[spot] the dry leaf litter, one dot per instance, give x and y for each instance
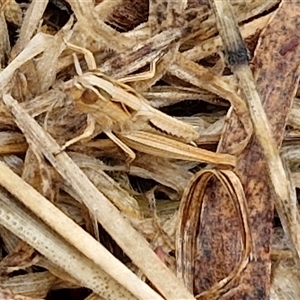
(134, 164)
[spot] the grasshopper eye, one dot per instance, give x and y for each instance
(89, 97)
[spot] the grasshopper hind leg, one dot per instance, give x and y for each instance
(88, 132)
(125, 148)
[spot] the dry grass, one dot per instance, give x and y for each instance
(111, 113)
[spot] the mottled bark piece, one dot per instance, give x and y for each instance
(276, 73)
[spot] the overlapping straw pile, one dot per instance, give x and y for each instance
(107, 110)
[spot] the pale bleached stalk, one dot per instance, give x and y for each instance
(133, 244)
(30, 24)
(237, 53)
(91, 25)
(73, 233)
(31, 229)
(35, 47)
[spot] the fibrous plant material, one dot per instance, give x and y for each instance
(259, 166)
(108, 109)
(192, 218)
(133, 244)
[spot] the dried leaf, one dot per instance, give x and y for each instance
(193, 220)
(252, 165)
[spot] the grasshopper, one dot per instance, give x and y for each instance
(128, 119)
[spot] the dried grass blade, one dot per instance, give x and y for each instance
(147, 51)
(251, 166)
(12, 143)
(30, 25)
(93, 26)
(47, 62)
(238, 62)
(175, 9)
(22, 223)
(155, 144)
(213, 44)
(33, 284)
(111, 189)
(133, 244)
(72, 232)
(4, 43)
(37, 45)
(192, 218)
(6, 294)
(161, 170)
(203, 78)
(127, 62)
